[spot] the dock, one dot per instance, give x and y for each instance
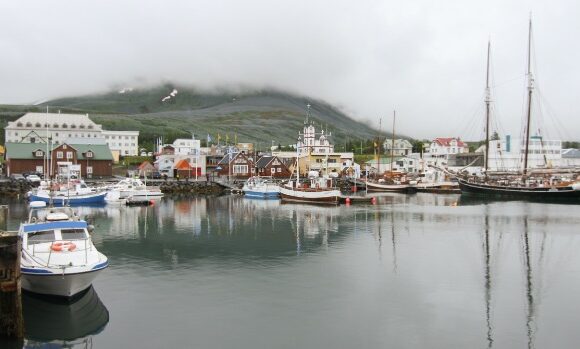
(11, 321)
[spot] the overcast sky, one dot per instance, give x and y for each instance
(425, 58)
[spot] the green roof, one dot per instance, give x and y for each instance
(26, 150)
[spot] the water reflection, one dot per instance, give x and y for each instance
(423, 271)
(50, 323)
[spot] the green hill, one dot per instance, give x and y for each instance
(264, 116)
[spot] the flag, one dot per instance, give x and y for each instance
(227, 137)
(208, 138)
(219, 137)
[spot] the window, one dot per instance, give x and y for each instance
(273, 170)
(89, 169)
(59, 154)
(37, 124)
(73, 126)
(90, 127)
(81, 126)
(279, 169)
(40, 237)
(56, 134)
(19, 124)
(240, 169)
(32, 140)
(73, 234)
(69, 155)
(64, 126)
(29, 124)
(39, 169)
(39, 153)
(55, 125)
(89, 154)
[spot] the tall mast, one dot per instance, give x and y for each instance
(393, 144)
(530, 88)
(487, 102)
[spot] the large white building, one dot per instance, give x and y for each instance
(309, 141)
(61, 128)
(33, 128)
(507, 154)
(124, 142)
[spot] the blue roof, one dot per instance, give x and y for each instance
(27, 228)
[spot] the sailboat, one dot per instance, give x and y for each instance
(524, 186)
(394, 181)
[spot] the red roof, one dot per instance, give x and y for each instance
(446, 142)
(145, 164)
(182, 165)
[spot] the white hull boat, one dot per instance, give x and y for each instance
(58, 255)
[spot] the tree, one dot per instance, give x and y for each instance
(494, 136)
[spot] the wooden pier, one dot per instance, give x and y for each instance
(11, 322)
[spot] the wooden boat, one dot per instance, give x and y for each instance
(317, 190)
(520, 186)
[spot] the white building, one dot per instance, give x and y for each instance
(309, 141)
(443, 147)
(60, 128)
(186, 146)
(508, 154)
(126, 143)
(402, 147)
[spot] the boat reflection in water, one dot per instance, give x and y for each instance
(56, 323)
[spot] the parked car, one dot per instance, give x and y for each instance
(156, 175)
(17, 177)
(33, 178)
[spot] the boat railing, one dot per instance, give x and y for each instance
(80, 245)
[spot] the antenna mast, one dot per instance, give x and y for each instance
(487, 102)
(530, 89)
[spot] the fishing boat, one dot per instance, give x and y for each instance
(318, 190)
(133, 189)
(521, 185)
(71, 193)
(58, 254)
(262, 188)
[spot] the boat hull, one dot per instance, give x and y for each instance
(540, 194)
(262, 194)
(392, 188)
(310, 195)
(98, 198)
(61, 285)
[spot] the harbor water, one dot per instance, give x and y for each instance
(417, 271)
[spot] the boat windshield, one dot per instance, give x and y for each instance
(39, 237)
(73, 234)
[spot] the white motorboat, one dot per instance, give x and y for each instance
(58, 255)
(259, 187)
(133, 188)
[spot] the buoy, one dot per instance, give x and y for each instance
(347, 201)
(373, 201)
(152, 202)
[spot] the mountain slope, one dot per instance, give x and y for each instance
(263, 117)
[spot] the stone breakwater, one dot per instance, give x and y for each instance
(185, 187)
(14, 188)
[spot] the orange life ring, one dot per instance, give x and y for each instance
(63, 246)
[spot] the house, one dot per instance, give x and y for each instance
(184, 169)
(237, 165)
(443, 147)
(146, 169)
(400, 164)
(94, 159)
(269, 165)
(402, 147)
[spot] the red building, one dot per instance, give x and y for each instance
(272, 166)
(236, 165)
